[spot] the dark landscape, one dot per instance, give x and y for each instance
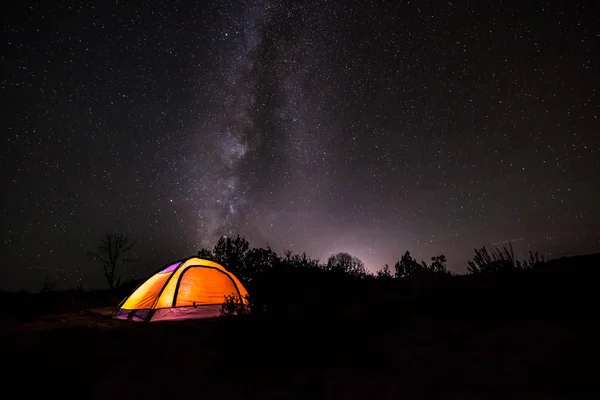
(508, 333)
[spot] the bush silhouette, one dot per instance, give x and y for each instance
(408, 268)
(233, 305)
(501, 260)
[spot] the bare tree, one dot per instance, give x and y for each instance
(112, 254)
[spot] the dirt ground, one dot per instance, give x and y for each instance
(88, 354)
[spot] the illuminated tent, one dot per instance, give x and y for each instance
(189, 288)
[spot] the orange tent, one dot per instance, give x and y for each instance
(189, 288)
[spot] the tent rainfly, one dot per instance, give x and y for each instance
(191, 288)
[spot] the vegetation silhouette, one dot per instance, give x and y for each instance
(112, 254)
(296, 284)
(502, 260)
(412, 326)
(47, 286)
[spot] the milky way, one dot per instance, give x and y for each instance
(319, 126)
(267, 128)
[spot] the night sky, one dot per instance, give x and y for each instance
(369, 127)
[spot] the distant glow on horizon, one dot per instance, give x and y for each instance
(368, 256)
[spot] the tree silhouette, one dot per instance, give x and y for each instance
(206, 254)
(438, 265)
(300, 261)
(385, 273)
(346, 263)
(257, 260)
(231, 252)
(112, 255)
(408, 268)
(239, 258)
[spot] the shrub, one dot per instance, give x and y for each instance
(502, 260)
(234, 305)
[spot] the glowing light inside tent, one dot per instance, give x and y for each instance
(195, 288)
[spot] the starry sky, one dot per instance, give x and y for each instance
(372, 127)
